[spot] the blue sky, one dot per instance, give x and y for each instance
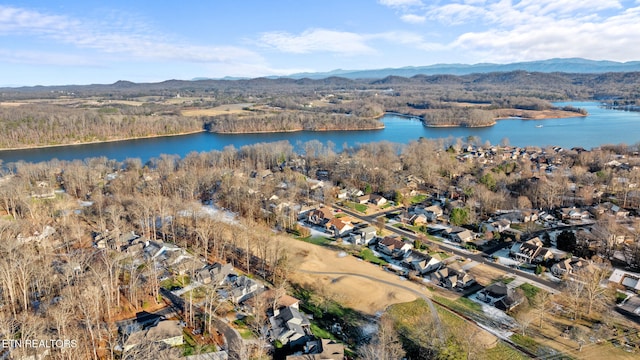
(83, 42)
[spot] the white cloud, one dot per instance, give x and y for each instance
(559, 7)
(454, 14)
(24, 21)
(132, 38)
(413, 19)
(318, 40)
(400, 3)
(611, 38)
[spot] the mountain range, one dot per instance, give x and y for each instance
(571, 65)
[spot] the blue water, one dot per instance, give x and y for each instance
(600, 127)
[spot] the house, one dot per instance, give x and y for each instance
(213, 273)
(529, 215)
(630, 280)
(363, 236)
(392, 246)
(114, 242)
(243, 288)
(289, 327)
(155, 250)
(465, 280)
(373, 199)
(433, 212)
(501, 296)
(339, 227)
(531, 251)
(320, 216)
(574, 214)
(342, 194)
(500, 225)
(377, 200)
(185, 264)
(422, 263)
(274, 299)
(363, 199)
(619, 212)
(418, 219)
(446, 277)
(568, 266)
(461, 235)
(168, 332)
(322, 349)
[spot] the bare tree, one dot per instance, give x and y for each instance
(386, 343)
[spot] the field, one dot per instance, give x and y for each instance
(219, 110)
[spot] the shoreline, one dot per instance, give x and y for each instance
(296, 130)
(381, 127)
(101, 141)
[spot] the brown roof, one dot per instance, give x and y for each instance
(392, 243)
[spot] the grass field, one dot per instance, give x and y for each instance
(355, 206)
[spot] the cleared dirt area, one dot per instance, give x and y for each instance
(218, 110)
(367, 296)
(536, 115)
(486, 275)
(356, 292)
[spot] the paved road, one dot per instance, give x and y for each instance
(530, 278)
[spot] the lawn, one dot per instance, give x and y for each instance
(356, 206)
(317, 240)
(503, 351)
(321, 333)
(191, 347)
(418, 199)
(462, 305)
(367, 255)
(176, 281)
(530, 291)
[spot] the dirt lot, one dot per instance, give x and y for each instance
(361, 294)
(358, 293)
(485, 275)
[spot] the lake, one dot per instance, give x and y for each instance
(602, 126)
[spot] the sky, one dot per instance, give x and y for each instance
(100, 42)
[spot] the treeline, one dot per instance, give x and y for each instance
(290, 121)
(40, 125)
(453, 116)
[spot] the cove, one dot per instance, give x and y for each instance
(601, 126)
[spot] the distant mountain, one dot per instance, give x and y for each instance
(572, 65)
